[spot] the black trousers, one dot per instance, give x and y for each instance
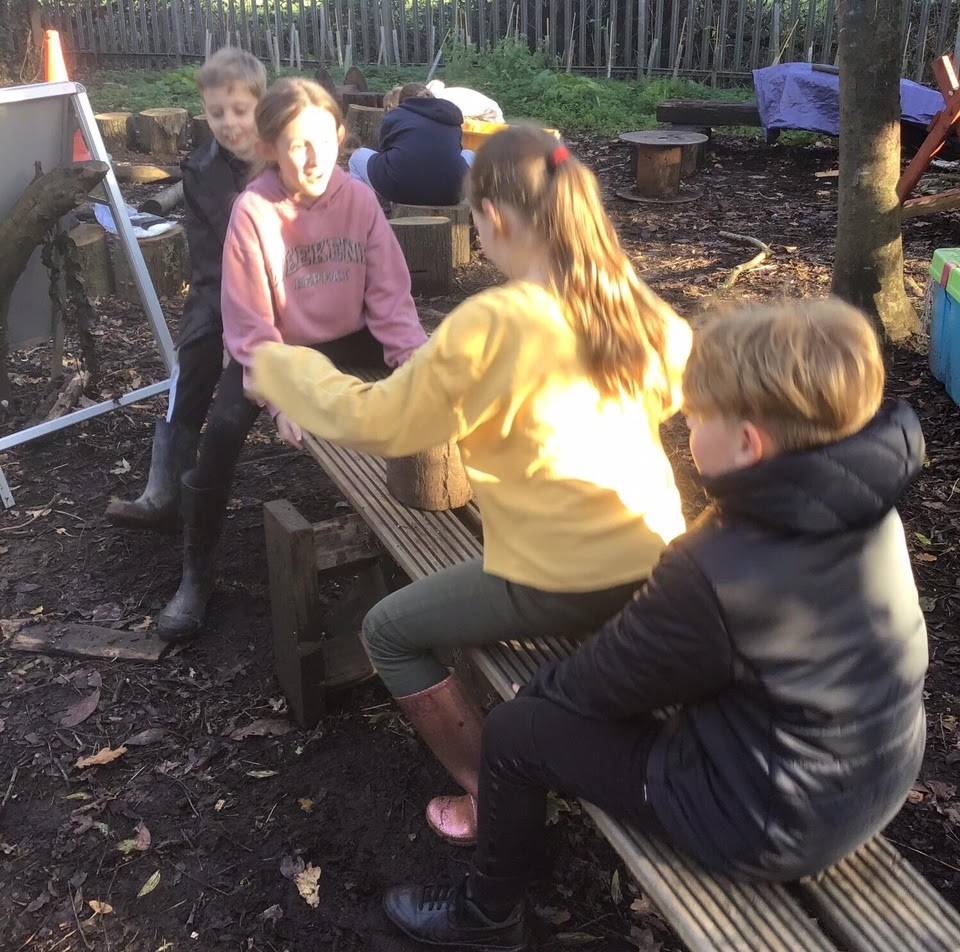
(531, 746)
(199, 365)
(232, 414)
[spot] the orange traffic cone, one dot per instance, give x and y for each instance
(55, 71)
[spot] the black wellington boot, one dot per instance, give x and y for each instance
(158, 508)
(443, 914)
(203, 514)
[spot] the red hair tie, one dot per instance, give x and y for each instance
(558, 157)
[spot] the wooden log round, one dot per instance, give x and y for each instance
(94, 256)
(427, 245)
(200, 130)
(165, 200)
(355, 97)
(116, 130)
(460, 222)
(364, 123)
(168, 263)
(162, 131)
(354, 77)
(433, 480)
(146, 174)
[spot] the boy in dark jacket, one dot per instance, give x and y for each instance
(231, 83)
(420, 160)
(785, 624)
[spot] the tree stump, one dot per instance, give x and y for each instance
(116, 129)
(433, 480)
(94, 256)
(427, 245)
(200, 130)
(348, 97)
(354, 77)
(460, 221)
(364, 123)
(162, 131)
(168, 264)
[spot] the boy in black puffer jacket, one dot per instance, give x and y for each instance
(785, 623)
(420, 160)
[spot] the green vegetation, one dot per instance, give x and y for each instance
(526, 84)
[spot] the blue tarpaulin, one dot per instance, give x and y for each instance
(796, 96)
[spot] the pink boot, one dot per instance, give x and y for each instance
(450, 722)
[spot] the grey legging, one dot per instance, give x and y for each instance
(463, 607)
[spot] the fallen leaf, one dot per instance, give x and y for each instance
(616, 893)
(261, 774)
(575, 938)
(916, 794)
(219, 805)
(264, 727)
(149, 886)
(643, 939)
(122, 467)
(79, 712)
(941, 790)
(273, 914)
(61, 531)
(94, 680)
(927, 603)
(80, 795)
(922, 539)
(101, 908)
(552, 915)
(104, 756)
(147, 621)
(308, 885)
(141, 842)
(642, 906)
(291, 867)
(36, 611)
(150, 736)
(4, 549)
(925, 557)
(39, 902)
(306, 804)
(3, 724)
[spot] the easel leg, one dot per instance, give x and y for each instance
(5, 495)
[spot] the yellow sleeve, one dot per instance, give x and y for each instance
(679, 342)
(450, 386)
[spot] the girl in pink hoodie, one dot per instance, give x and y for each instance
(309, 259)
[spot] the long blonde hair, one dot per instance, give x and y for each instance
(620, 323)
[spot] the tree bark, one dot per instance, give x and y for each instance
(434, 480)
(116, 130)
(868, 270)
(427, 246)
(162, 131)
(46, 200)
(168, 263)
(364, 123)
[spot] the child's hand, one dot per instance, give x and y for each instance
(515, 688)
(289, 431)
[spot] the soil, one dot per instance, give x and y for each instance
(219, 819)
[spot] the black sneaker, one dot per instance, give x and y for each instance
(441, 914)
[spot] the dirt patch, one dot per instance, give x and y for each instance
(226, 817)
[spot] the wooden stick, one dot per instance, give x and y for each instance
(748, 265)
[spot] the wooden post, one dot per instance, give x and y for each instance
(199, 130)
(94, 256)
(433, 480)
(364, 123)
(296, 611)
(162, 131)
(427, 245)
(116, 130)
(460, 222)
(168, 262)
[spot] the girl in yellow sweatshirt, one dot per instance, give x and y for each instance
(554, 386)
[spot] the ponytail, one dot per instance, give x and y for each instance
(620, 323)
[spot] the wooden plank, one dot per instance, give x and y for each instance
(537, 25)
(875, 901)
(582, 51)
(697, 112)
(922, 41)
(808, 35)
(628, 44)
(721, 43)
(931, 204)
(793, 27)
(177, 29)
(674, 34)
(342, 542)
(122, 26)
(112, 30)
(155, 28)
(758, 13)
(656, 46)
(89, 641)
(828, 26)
(945, 8)
(738, 42)
(704, 63)
(296, 610)
(415, 10)
(692, 34)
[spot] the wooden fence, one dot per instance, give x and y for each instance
(715, 39)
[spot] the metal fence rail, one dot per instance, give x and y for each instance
(716, 39)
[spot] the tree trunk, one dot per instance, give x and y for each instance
(460, 221)
(433, 480)
(93, 255)
(116, 130)
(427, 246)
(868, 270)
(364, 123)
(168, 263)
(46, 200)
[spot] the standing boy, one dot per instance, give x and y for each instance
(785, 621)
(231, 83)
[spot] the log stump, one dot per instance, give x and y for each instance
(200, 130)
(658, 156)
(427, 245)
(116, 130)
(168, 264)
(354, 97)
(162, 131)
(354, 77)
(364, 123)
(93, 253)
(433, 480)
(460, 222)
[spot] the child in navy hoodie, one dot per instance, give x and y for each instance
(420, 160)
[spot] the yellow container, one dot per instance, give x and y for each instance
(476, 132)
